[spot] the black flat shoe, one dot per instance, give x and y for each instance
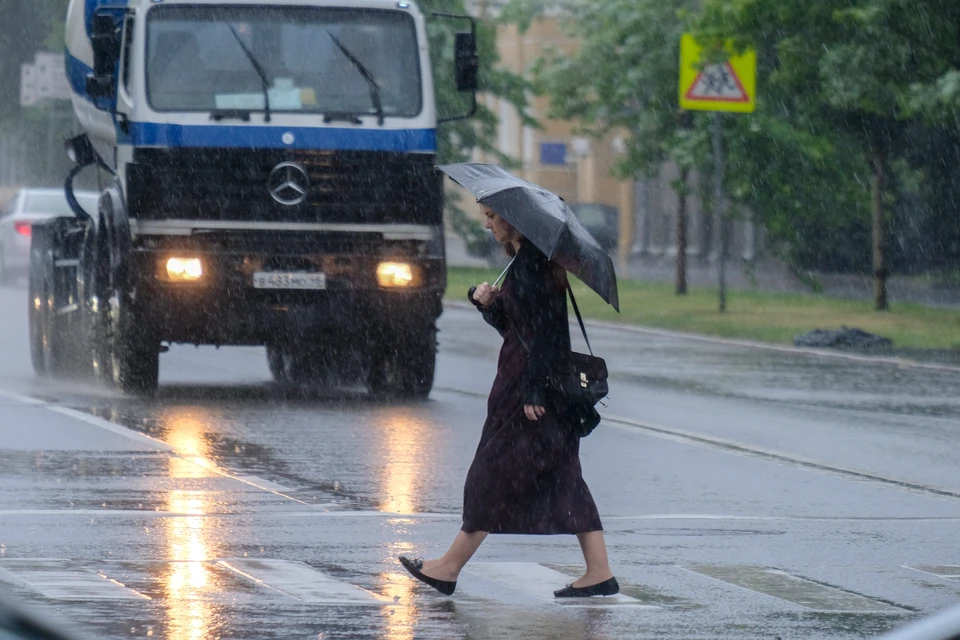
(414, 567)
(606, 588)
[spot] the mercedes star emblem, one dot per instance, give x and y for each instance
(288, 183)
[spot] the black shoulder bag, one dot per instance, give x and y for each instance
(580, 380)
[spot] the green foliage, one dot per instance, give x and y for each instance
(456, 140)
(624, 77)
(843, 82)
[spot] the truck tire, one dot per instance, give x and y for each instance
(291, 365)
(36, 312)
(49, 350)
(405, 368)
(275, 363)
(132, 346)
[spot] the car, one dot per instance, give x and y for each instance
(601, 220)
(28, 207)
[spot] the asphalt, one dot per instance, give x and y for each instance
(745, 493)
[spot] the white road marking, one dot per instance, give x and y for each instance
(802, 592)
(55, 578)
(157, 444)
(945, 571)
(16, 397)
(531, 581)
(141, 438)
(386, 515)
(302, 582)
(689, 437)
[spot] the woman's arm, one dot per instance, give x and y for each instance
(492, 313)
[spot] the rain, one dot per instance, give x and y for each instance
(549, 319)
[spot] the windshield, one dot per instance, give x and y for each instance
(56, 203)
(195, 63)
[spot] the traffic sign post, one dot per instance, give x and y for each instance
(725, 86)
(730, 85)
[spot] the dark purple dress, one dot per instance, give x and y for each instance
(525, 477)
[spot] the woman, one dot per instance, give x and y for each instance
(525, 477)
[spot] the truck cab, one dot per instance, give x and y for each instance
(270, 180)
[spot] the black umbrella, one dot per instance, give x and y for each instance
(543, 219)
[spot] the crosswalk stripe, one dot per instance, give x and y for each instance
(59, 579)
(301, 581)
(531, 582)
(945, 571)
(794, 589)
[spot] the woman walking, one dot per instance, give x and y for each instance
(525, 477)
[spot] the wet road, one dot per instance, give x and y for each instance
(746, 493)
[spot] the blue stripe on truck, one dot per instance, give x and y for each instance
(151, 134)
(147, 134)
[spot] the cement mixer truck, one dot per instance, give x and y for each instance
(267, 174)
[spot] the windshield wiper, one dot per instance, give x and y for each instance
(230, 114)
(374, 87)
(260, 72)
(352, 118)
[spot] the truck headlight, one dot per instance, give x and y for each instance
(184, 269)
(397, 275)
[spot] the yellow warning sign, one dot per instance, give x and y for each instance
(728, 86)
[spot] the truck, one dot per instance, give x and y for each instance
(267, 176)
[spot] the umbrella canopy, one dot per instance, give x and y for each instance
(543, 219)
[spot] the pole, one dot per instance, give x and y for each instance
(719, 206)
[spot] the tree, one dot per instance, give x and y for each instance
(623, 77)
(858, 67)
(28, 26)
(456, 140)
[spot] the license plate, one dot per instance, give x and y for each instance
(277, 280)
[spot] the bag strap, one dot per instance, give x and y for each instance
(576, 310)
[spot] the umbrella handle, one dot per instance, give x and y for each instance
(504, 272)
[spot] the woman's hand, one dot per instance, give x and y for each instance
(533, 412)
(485, 294)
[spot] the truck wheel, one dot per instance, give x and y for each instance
(133, 347)
(405, 368)
(289, 365)
(36, 314)
(275, 363)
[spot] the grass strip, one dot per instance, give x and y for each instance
(767, 317)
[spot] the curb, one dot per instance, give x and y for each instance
(752, 344)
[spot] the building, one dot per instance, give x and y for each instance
(579, 169)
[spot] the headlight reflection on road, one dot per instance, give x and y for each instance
(189, 582)
(405, 447)
(400, 620)
(405, 441)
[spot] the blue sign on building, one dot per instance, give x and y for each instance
(553, 153)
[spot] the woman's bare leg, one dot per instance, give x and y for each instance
(449, 565)
(595, 554)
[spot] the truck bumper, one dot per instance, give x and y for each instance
(224, 307)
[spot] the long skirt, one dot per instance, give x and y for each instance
(525, 477)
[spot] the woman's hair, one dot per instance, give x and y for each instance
(516, 235)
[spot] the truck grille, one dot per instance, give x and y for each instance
(229, 184)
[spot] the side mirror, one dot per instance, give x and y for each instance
(466, 62)
(105, 40)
